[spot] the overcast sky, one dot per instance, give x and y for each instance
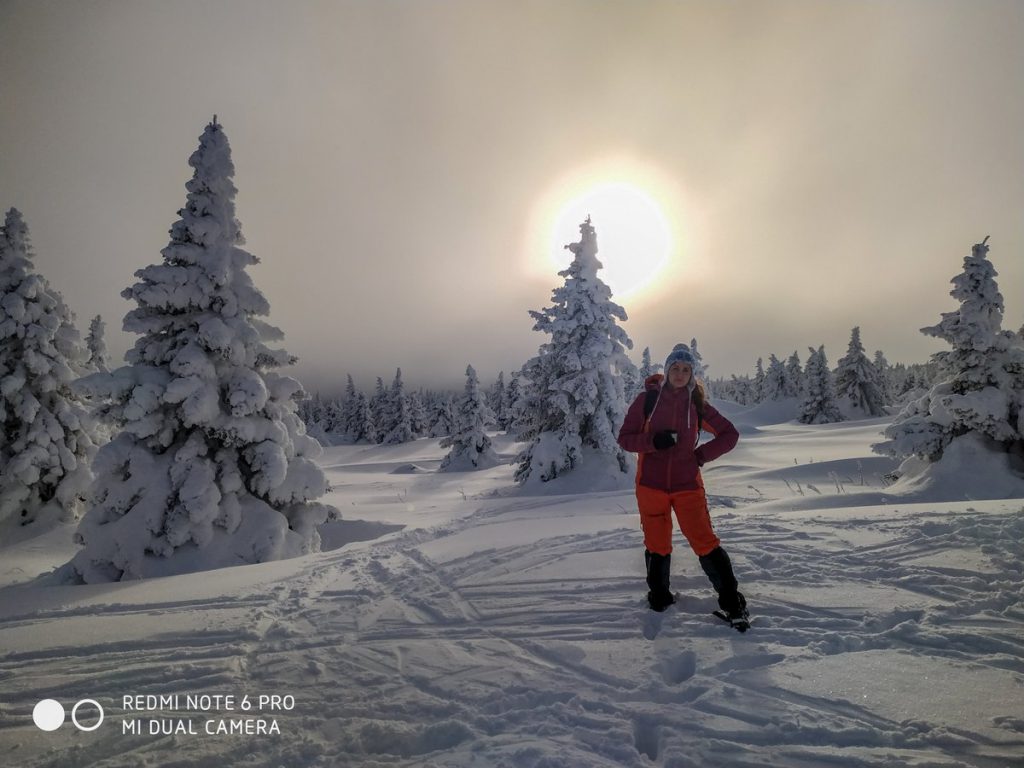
(823, 164)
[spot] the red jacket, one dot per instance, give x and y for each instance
(676, 468)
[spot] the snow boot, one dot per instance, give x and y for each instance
(718, 567)
(660, 595)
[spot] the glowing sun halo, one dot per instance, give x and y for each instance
(634, 238)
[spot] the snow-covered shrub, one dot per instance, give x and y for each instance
(212, 466)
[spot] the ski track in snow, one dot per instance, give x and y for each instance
(517, 635)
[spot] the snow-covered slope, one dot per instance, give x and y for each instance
(455, 621)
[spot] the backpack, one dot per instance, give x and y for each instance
(651, 399)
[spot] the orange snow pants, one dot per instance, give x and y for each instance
(691, 508)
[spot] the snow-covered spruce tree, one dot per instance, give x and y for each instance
(495, 399)
(981, 378)
(470, 446)
(758, 384)
(774, 379)
(443, 423)
(819, 405)
(510, 405)
(575, 402)
(647, 368)
(794, 376)
(48, 434)
(397, 425)
(417, 414)
(368, 427)
(379, 412)
(700, 369)
(351, 421)
(885, 382)
(97, 345)
(858, 383)
(212, 467)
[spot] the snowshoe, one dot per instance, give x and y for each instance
(738, 620)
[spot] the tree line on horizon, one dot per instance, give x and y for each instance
(858, 387)
(193, 455)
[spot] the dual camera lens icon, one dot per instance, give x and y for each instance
(49, 714)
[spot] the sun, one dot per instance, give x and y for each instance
(636, 239)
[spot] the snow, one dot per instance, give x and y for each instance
(456, 619)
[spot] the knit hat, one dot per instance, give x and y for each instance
(681, 354)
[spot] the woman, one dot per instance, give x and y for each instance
(662, 426)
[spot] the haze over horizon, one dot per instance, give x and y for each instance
(401, 165)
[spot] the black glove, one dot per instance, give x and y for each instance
(699, 454)
(664, 439)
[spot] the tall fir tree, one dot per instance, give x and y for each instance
(212, 466)
(49, 437)
(981, 378)
(819, 405)
(575, 402)
(857, 381)
(470, 446)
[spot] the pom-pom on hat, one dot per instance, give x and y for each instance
(681, 354)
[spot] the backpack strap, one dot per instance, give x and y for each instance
(650, 400)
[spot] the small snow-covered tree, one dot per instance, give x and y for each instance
(647, 368)
(212, 466)
(379, 412)
(740, 390)
(351, 421)
(417, 414)
(469, 443)
(981, 386)
(819, 405)
(794, 376)
(513, 396)
(367, 426)
(758, 384)
(575, 402)
(48, 435)
(97, 345)
(495, 399)
(857, 382)
(885, 381)
(700, 370)
(774, 379)
(443, 423)
(397, 425)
